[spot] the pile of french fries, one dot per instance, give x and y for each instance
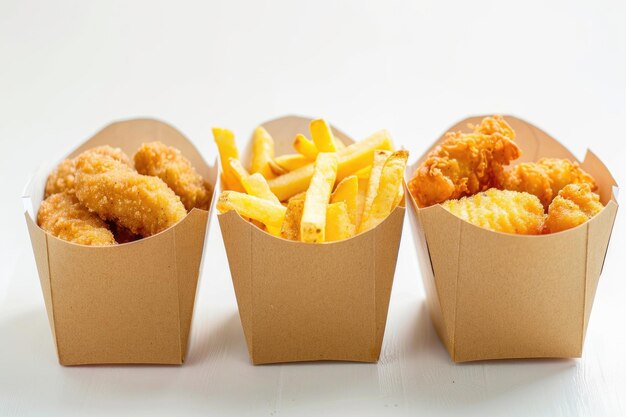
(325, 192)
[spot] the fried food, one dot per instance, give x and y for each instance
(546, 177)
(143, 204)
(262, 153)
(573, 206)
(323, 200)
(63, 216)
(313, 223)
(159, 160)
(338, 224)
(501, 211)
(351, 158)
(265, 211)
(227, 148)
(465, 163)
(389, 185)
(63, 177)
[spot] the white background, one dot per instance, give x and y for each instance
(68, 68)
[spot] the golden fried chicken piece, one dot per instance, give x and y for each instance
(573, 206)
(502, 211)
(546, 178)
(171, 166)
(143, 204)
(63, 177)
(63, 216)
(465, 163)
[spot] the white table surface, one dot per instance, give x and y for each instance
(68, 68)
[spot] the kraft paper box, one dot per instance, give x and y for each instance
(308, 302)
(494, 295)
(128, 303)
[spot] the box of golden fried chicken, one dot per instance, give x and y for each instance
(309, 290)
(511, 233)
(118, 243)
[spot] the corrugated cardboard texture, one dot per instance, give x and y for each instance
(308, 302)
(494, 295)
(130, 303)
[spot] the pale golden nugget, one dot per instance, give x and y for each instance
(63, 216)
(159, 160)
(143, 204)
(63, 178)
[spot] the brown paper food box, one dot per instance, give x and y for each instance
(493, 295)
(129, 303)
(310, 302)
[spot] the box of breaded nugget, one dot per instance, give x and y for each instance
(511, 233)
(118, 230)
(311, 229)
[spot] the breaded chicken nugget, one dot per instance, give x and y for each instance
(167, 163)
(465, 163)
(502, 211)
(63, 177)
(546, 177)
(63, 216)
(143, 204)
(573, 206)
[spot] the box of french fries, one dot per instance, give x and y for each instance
(311, 228)
(117, 230)
(511, 233)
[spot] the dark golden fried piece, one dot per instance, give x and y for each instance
(465, 163)
(573, 206)
(546, 178)
(63, 177)
(64, 217)
(502, 211)
(176, 171)
(143, 204)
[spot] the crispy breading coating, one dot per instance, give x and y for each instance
(65, 217)
(63, 177)
(546, 177)
(167, 163)
(143, 204)
(465, 163)
(502, 211)
(573, 206)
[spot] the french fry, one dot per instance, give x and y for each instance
(322, 136)
(347, 190)
(291, 226)
(372, 185)
(388, 187)
(364, 173)
(237, 169)
(227, 148)
(399, 197)
(305, 147)
(267, 212)
(313, 224)
(262, 152)
(352, 158)
(277, 170)
(299, 196)
(338, 223)
(291, 161)
(256, 185)
(360, 200)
